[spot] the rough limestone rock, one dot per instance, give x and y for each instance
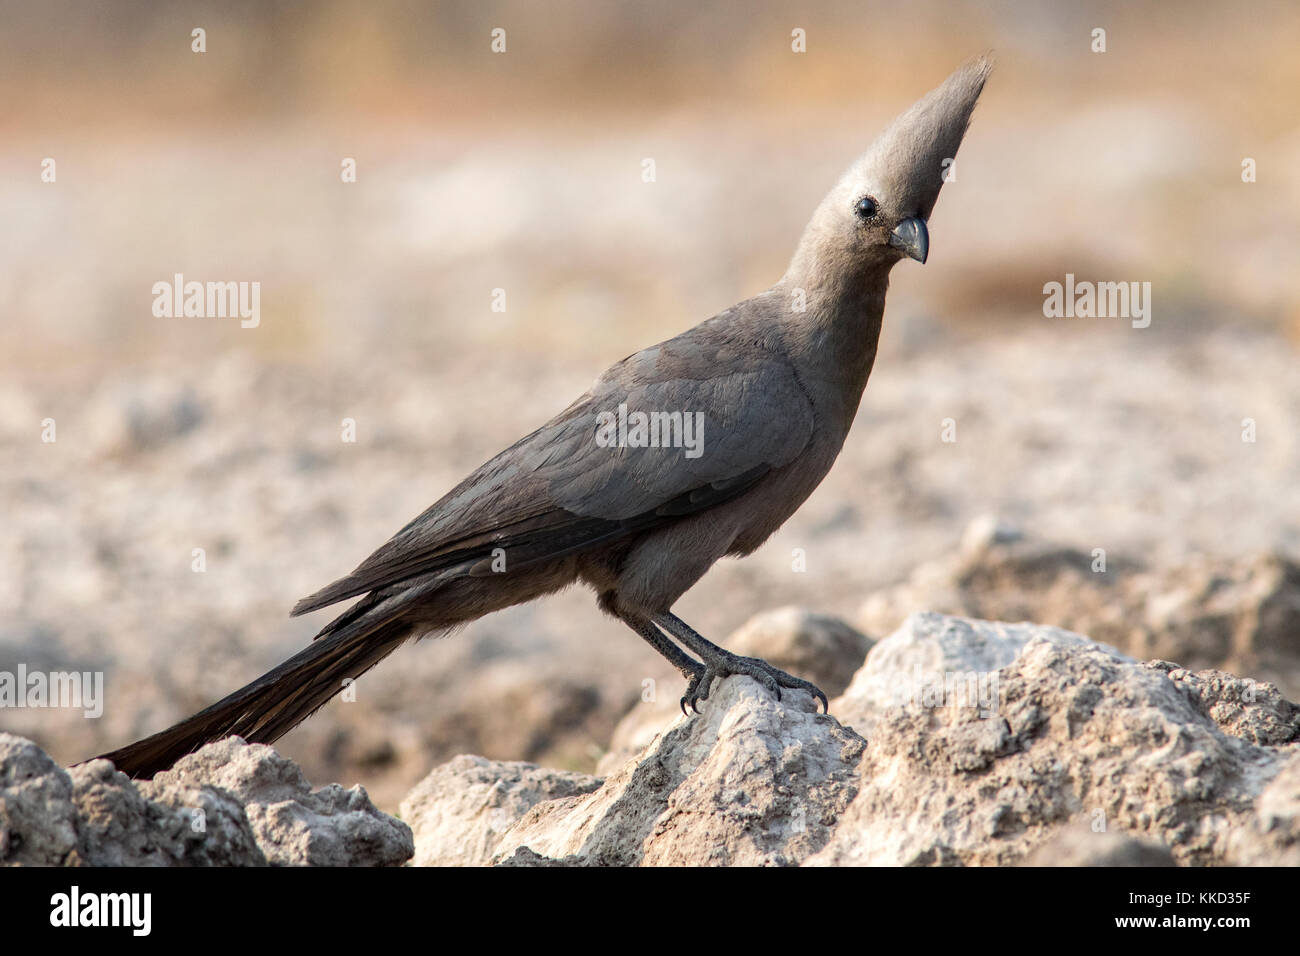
(816, 647)
(934, 658)
(294, 826)
(1249, 709)
(1240, 616)
(1079, 731)
(749, 781)
(38, 821)
(1081, 845)
(989, 744)
(93, 816)
(459, 812)
(1272, 837)
(122, 824)
(229, 804)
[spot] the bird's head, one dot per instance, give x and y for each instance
(878, 212)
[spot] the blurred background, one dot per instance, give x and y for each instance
(522, 171)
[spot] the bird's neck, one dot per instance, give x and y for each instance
(836, 336)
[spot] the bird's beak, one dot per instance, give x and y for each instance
(913, 238)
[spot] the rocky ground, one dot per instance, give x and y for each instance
(1075, 435)
(1134, 485)
(230, 804)
(956, 742)
(244, 460)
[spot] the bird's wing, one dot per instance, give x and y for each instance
(560, 490)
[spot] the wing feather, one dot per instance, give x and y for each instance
(558, 491)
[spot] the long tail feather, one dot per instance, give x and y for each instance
(275, 703)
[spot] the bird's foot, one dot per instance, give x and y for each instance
(696, 677)
(725, 664)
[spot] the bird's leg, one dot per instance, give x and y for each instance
(691, 669)
(719, 662)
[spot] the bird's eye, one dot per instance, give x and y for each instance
(866, 207)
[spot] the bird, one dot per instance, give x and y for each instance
(772, 385)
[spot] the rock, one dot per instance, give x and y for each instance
(1239, 616)
(459, 811)
(1080, 845)
(1038, 746)
(524, 857)
(1272, 837)
(1077, 729)
(990, 744)
(816, 647)
(1249, 709)
(94, 816)
(229, 804)
(124, 824)
(294, 826)
(751, 780)
(934, 656)
(38, 821)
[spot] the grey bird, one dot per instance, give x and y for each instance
(777, 380)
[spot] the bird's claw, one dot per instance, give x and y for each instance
(772, 678)
(697, 677)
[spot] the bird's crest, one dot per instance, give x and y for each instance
(910, 160)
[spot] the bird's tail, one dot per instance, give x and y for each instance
(275, 703)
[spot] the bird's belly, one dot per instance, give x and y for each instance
(779, 497)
